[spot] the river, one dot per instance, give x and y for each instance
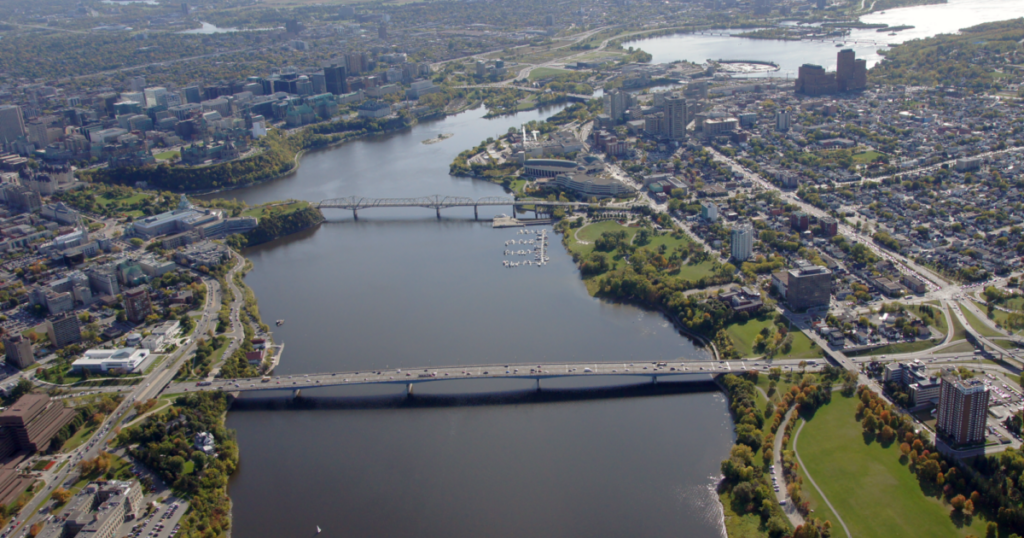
(399, 288)
(790, 55)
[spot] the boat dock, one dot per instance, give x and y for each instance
(275, 360)
(505, 221)
(538, 247)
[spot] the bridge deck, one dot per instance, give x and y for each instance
(532, 371)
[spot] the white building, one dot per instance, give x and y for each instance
(124, 360)
(742, 243)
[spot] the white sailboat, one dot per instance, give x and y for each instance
(318, 531)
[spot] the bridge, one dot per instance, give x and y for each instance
(648, 371)
(438, 202)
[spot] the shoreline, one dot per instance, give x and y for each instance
(297, 159)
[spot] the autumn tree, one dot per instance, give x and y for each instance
(61, 495)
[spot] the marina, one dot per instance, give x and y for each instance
(538, 248)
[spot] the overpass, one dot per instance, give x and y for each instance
(647, 371)
(438, 202)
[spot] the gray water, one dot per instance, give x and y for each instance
(790, 55)
(400, 288)
(603, 468)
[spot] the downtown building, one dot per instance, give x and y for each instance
(963, 406)
(851, 75)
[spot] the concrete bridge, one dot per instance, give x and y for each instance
(647, 371)
(438, 202)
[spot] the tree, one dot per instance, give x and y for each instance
(61, 495)
(958, 503)
(991, 530)
(137, 242)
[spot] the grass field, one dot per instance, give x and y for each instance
(904, 347)
(275, 208)
(743, 335)
(959, 331)
(167, 155)
(960, 347)
(78, 438)
(737, 526)
(876, 495)
(866, 157)
(978, 325)
(548, 72)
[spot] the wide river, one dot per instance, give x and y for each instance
(399, 288)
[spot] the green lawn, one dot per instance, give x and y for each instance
(591, 232)
(189, 467)
(866, 157)
(740, 526)
(959, 332)
(743, 335)
(978, 325)
(960, 347)
(876, 495)
(167, 155)
(275, 208)
(78, 438)
(130, 200)
(904, 347)
(548, 72)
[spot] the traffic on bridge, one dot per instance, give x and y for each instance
(410, 376)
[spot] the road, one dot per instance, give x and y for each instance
(532, 371)
(155, 382)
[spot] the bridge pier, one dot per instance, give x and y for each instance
(355, 215)
(439, 213)
(513, 210)
(538, 384)
(476, 213)
(654, 380)
(297, 393)
(408, 390)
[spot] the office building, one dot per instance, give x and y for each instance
(382, 32)
(963, 405)
(64, 330)
(616, 102)
(34, 419)
(19, 351)
(808, 286)
(193, 94)
(851, 74)
(137, 305)
(154, 96)
(676, 117)
(742, 243)
(813, 80)
(335, 79)
(12, 124)
(138, 84)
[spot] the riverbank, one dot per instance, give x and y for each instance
(280, 157)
